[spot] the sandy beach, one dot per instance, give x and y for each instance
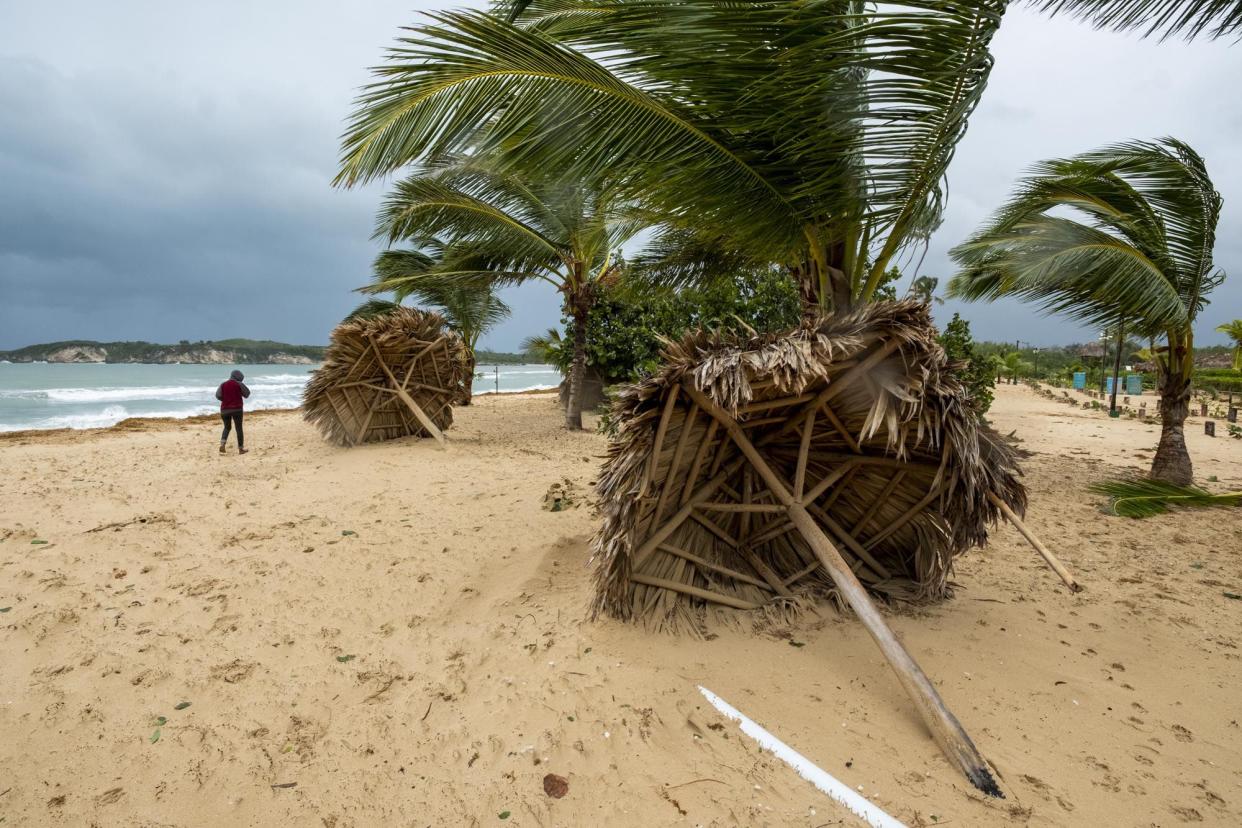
(397, 635)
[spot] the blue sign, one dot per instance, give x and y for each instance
(1134, 384)
(1080, 380)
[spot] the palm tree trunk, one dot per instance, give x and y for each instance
(1172, 461)
(579, 308)
(467, 394)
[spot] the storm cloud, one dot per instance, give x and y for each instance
(165, 168)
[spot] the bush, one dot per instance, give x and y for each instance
(974, 370)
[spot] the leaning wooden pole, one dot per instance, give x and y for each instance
(1048, 557)
(944, 726)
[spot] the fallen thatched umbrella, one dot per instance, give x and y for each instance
(841, 458)
(387, 376)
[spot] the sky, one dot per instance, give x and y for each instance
(165, 168)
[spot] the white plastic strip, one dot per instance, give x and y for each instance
(805, 768)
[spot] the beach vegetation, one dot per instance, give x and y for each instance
(474, 229)
(1122, 233)
(1233, 330)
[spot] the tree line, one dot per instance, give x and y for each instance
(539, 138)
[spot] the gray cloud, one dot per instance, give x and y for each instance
(165, 168)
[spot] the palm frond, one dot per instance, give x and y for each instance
(371, 309)
(1137, 245)
(789, 124)
(1191, 18)
(1140, 498)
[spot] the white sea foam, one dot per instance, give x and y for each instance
(479, 392)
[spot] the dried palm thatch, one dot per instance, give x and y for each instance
(841, 458)
(862, 421)
(389, 376)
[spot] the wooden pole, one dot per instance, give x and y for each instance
(705, 594)
(944, 726)
(1048, 557)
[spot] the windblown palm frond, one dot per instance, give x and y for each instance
(1140, 248)
(548, 348)
(814, 135)
(371, 309)
(1215, 18)
(1139, 498)
(1234, 331)
(470, 308)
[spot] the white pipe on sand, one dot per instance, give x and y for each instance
(818, 777)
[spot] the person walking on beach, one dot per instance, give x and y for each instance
(230, 394)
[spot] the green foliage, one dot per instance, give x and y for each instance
(625, 325)
(371, 309)
(501, 358)
(1191, 18)
(1234, 331)
(1138, 245)
(975, 370)
(831, 151)
(1140, 498)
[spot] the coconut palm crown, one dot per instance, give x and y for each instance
(815, 135)
(476, 229)
(1233, 330)
(1125, 232)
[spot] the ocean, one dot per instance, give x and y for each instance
(43, 395)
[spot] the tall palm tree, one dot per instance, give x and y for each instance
(492, 229)
(1136, 245)
(814, 135)
(1234, 331)
(469, 309)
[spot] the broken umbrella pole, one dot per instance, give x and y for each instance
(1053, 563)
(944, 726)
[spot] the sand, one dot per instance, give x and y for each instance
(396, 635)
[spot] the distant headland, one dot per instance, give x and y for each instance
(224, 351)
(205, 352)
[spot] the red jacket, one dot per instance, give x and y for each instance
(230, 394)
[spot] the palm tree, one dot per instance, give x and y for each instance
(469, 309)
(815, 136)
(1013, 364)
(924, 289)
(1137, 246)
(487, 229)
(1233, 330)
(1216, 18)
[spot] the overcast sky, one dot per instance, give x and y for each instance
(165, 166)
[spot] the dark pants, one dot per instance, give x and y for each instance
(232, 419)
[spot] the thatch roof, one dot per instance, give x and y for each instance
(388, 376)
(899, 471)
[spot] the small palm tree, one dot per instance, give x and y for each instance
(487, 229)
(1137, 246)
(1013, 364)
(548, 348)
(924, 289)
(469, 309)
(1233, 330)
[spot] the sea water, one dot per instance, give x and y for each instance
(44, 395)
